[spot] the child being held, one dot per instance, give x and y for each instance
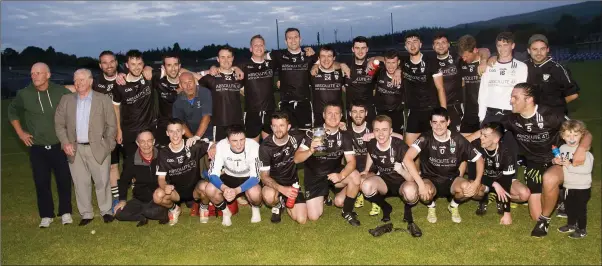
(577, 180)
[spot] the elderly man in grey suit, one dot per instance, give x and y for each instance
(86, 126)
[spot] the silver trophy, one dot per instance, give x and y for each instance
(318, 133)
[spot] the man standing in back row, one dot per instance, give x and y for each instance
(293, 66)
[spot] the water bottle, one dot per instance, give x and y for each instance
(555, 151)
(375, 65)
(290, 202)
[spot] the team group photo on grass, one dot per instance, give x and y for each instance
(443, 147)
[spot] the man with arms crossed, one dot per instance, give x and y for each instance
(441, 153)
(386, 153)
(323, 172)
(179, 173)
(278, 170)
(237, 157)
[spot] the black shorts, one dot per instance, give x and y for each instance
(299, 113)
(534, 175)
(506, 183)
(393, 187)
(115, 153)
(443, 187)
(397, 118)
(455, 115)
(185, 193)
(470, 123)
(419, 121)
(232, 181)
(256, 122)
(316, 186)
(219, 133)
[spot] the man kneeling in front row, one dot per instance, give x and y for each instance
(141, 167)
(179, 173)
(237, 156)
(387, 153)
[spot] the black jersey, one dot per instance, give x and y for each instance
(167, 94)
(136, 99)
(384, 160)
(359, 146)
(418, 83)
(472, 81)
(337, 145)
(279, 159)
(554, 82)
(327, 87)
(360, 86)
(498, 163)
(536, 134)
(441, 159)
(388, 97)
(259, 86)
(225, 95)
(181, 168)
(452, 80)
(103, 85)
(293, 74)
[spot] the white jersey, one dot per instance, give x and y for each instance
(497, 83)
(243, 164)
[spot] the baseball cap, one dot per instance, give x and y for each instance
(538, 37)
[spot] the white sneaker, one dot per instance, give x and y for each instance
(174, 215)
(255, 214)
(455, 214)
(45, 223)
(203, 215)
(226, 217)
(432, 215)
(66, 219)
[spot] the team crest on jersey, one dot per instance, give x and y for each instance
(339, 142)
(336, 75)
(546, 77)
(188, 152)
(497, 164)
(540, 125)
(422, 69)
(142, 81)
(452, 146)
(450, 60)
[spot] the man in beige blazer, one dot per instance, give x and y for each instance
(85, 124)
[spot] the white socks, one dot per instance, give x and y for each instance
(226, 217)
(255, 214)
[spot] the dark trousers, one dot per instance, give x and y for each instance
(576, 206)
(137, 210)
(45, 159)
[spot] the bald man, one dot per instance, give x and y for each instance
(193, 106)
(86, 126)
(35, 106)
